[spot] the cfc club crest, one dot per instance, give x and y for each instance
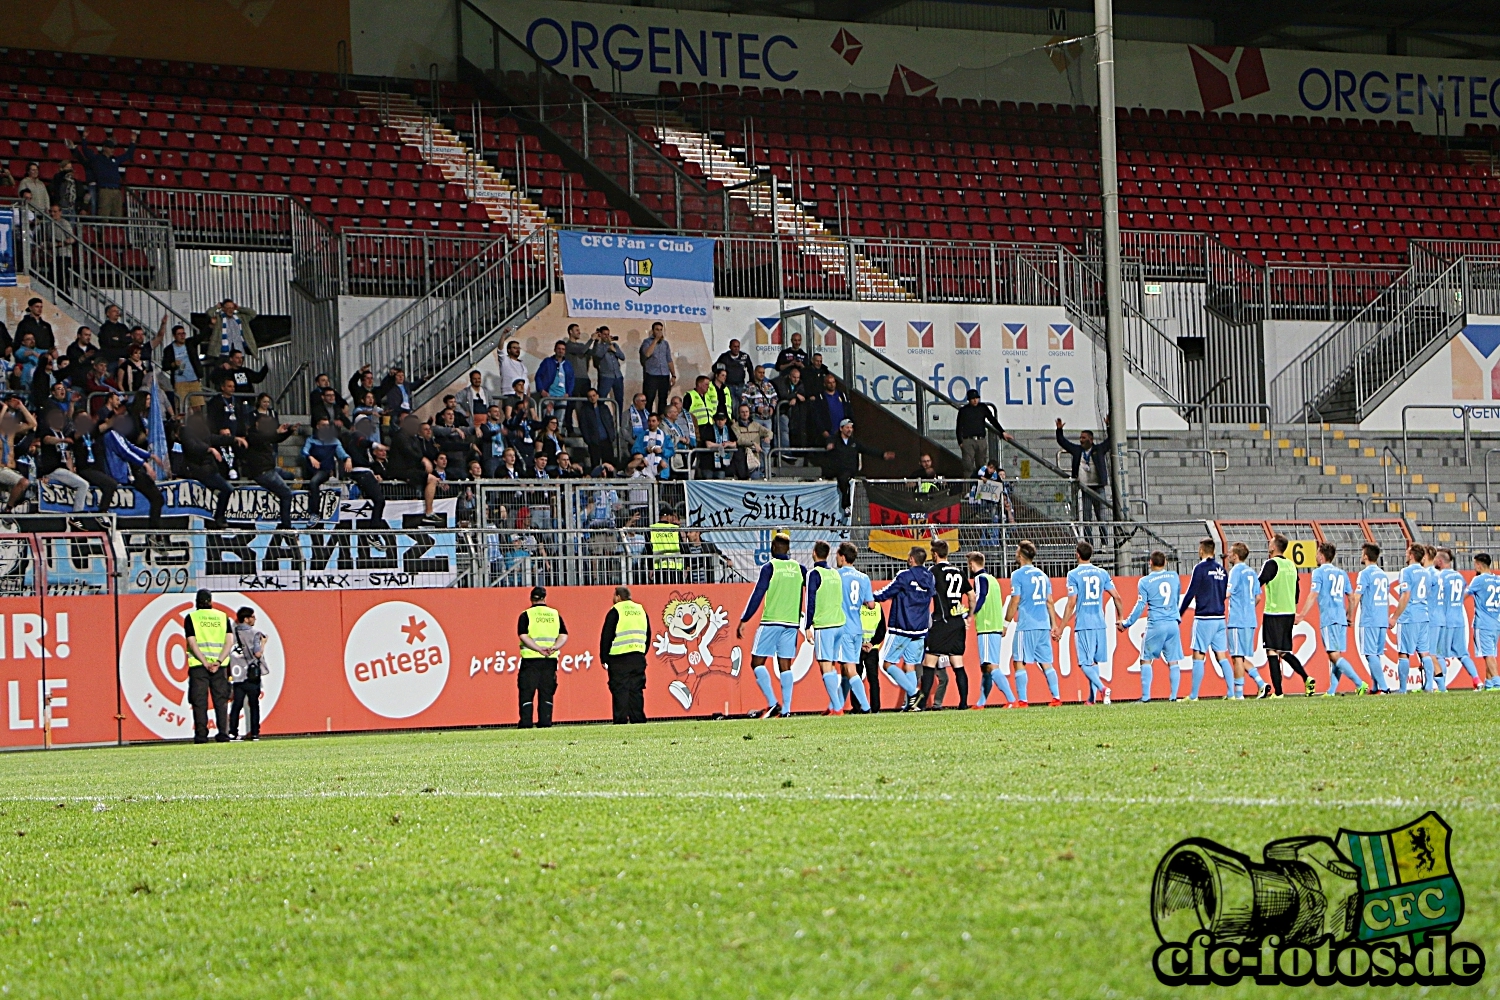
(690, 625)
(638, 275)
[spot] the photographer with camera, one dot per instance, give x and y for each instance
(247, 665)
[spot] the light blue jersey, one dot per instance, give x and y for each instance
(1374, 589)
(1089, 584)
(1331, 584)
(1437, 612)
(1414, 584)
(857, 593)
(1160, 594)
(1486, 590)
(1033, 589)
(1452, 583)
(1244, 589)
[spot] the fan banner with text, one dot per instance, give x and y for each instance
(625, 276)
(360, 660)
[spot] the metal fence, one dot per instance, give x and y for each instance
(217, 220)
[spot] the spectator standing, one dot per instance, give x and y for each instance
(247, 665)
(34, 324)
(816, 371)
(409, 464)
(65, 191)
(363, 469)
(722, 447)
(737, 364)
(659, 371)
(1090, 471)
(791, 357)
(398, 398)
(760, 395)
(542, 633)
(752, 438)
(828, 411)
(245, 379)
(580, 352)
(180, 361)
(60, 242)
(555, 380)
(260, 464)
(41, 198)
(106, 168)
(474, 398)
(229, 330)
(842, 460)
(609, 365)
(597, 425)
(622, 647)
(75, 362)
(520, 432)
(511, 365)
(207, 632)
(972, 431)
(791, 407)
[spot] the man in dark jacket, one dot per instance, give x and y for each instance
(407, 461)
(33, 324)
(597, 426)
(1090, 469)
(259, 464)
(737, 364)
(791, 409)
(972, 430)
(842, 460)
(201, 461)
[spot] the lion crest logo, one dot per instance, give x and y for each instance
(690, 625)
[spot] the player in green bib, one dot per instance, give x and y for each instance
(780, 588)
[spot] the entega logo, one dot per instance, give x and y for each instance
(1370, 909)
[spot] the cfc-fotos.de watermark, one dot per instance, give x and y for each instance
(1359, 909)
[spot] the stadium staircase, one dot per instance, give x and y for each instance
(482, 183)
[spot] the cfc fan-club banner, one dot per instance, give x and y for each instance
(345, 661)
(901, 516)
(759, 509)
(623, 276)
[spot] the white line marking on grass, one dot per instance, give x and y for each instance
(1150, 801)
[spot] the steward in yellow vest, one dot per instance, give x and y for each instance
(622, 644)
(207, 630)
(542, 632)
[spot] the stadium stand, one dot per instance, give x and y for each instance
(1306, 189)
(355, 158)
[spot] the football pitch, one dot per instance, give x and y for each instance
(956, 854)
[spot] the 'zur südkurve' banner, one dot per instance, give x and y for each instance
(624, 276)
(364, 660)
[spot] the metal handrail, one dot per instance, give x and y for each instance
(1408, 497)
(1488, 489)
(1387, 452)
(1208, 454)
(1149, 352)
(1363, 503)
(1471, 499)
(1405, 449)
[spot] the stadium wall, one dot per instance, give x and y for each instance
(371, 660)
(282, 34)
(1464, 376)
(634, 49)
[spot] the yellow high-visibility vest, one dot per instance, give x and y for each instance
(666, 540)
(210, 629)
(631, 631)
(543, 625)
(705, 406)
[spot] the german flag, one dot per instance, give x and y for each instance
(903, 516)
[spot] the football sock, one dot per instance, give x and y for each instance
(835, 694)
(857, 688)
(909, 682)
(1237, 687)
(1468, 663)
(1377, 672)
(961, 681)
(1403, 674)
(999, 680)
(1198, 666)
(1295, 664)
(763, 680)
(787, 680)
(1273, 667)
(1253, 672)
(1174, 674)
(1429, 672)
(1091, 671)
(1146, 671)
(1021, 680)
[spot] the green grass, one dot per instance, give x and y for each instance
(962, 854)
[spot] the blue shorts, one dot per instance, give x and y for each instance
(1163, 641)
(1372, 641)
(989, 648)
(826, 642)
(903, 649)
(1035, 646)
(779, 641)
(1335, 638)
(1242, 642)
(1209, 635)
(1485, 642)
(1413, 637)
(1458, 642)
(1440, 639)
(1092, 645)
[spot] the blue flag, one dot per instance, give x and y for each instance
(156, 428)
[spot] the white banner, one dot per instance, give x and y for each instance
(758, 509)
(616, 275)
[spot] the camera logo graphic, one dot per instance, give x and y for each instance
(1363, 908)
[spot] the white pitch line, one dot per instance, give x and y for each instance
(732, 796)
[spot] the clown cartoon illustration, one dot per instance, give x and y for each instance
(692, 623)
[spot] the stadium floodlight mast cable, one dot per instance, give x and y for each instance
(1109, 190)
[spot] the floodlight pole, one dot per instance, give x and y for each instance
(1109, 190)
